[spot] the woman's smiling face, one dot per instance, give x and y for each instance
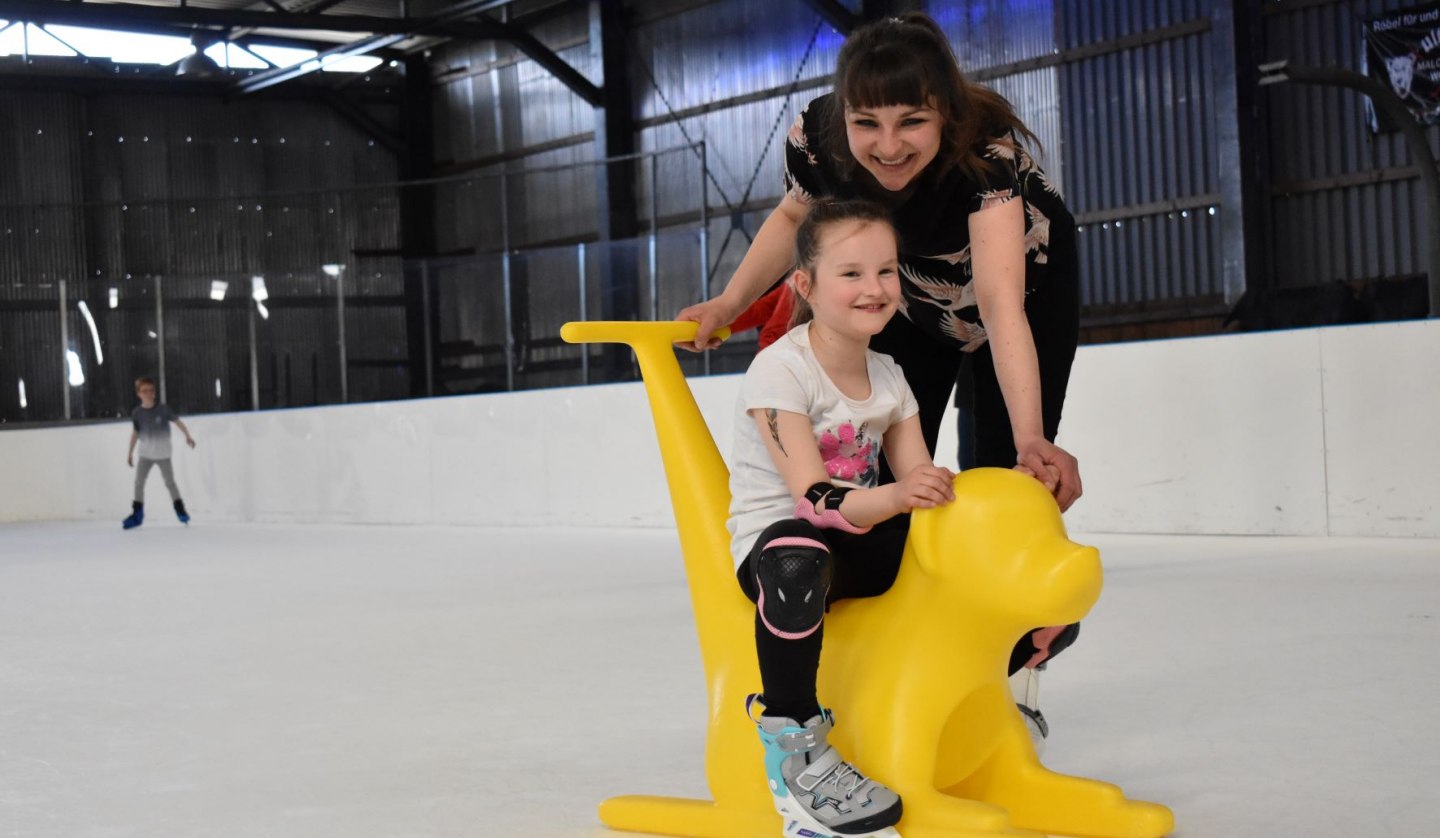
(893, 143)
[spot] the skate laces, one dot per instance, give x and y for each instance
(829, 769)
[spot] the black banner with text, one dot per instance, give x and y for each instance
(1402, 52)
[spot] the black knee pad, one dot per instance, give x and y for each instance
(793, 575)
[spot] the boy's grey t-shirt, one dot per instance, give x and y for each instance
(153, 426)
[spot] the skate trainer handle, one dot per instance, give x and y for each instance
(666, 332)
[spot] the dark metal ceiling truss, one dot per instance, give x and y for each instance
(462, 21)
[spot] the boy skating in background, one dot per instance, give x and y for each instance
(151, 422)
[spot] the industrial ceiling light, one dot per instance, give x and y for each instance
(198, 65)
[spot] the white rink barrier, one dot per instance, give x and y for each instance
(1308, 432)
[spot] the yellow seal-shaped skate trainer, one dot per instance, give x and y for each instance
(917, 677)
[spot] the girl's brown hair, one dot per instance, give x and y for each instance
(907, 60)
(824, 214)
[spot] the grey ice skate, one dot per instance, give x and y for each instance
(815, 790)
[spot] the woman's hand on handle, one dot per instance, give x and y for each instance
(711, 315)
(1053, 466)
(768, 259)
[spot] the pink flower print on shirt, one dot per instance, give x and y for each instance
(848, 455)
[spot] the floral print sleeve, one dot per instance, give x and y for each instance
(802, 168)
(1003, 182)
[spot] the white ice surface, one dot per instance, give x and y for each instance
(356, 681)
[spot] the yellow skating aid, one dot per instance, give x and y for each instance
(917, 677)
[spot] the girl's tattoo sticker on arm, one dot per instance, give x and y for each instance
(772, 419)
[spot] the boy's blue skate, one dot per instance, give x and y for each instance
(181, 513)
(137, 516)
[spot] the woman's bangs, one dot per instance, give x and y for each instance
(886, 77)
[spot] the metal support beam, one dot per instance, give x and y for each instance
(250, 307)
(615, 182)
(279, 75)
(124, 15)
(417, 222)
(487, 28)
(340, 326)
(90, 84)
(614, 124)
(451, 23)
(317, 8)
(842, 19)
(65, 348)
(513, 204)
(429, 331)
(160, 332)
(357, 116)
(584, 310)
(1243, 174)
(464, 20)
(237, 35)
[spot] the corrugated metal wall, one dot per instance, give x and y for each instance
(1128, 132)
(1343, 205)
(996, 33)
(1139, 127)
(109, 192)
(498, 111)
(732, 75)
(491, 100)
(1122, 94)
(687, 61)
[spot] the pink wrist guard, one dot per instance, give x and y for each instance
(821, 507)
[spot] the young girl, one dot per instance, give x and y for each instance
(808, 520)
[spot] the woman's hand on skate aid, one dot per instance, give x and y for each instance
(711, 315)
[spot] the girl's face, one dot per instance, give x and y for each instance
(894, 143)
(855, 287)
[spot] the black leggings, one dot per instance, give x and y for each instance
(865, 566)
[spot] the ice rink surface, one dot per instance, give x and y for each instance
(356, 681)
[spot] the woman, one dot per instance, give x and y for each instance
(987, 247)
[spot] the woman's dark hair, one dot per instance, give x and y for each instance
(823, 214)
(907, 60)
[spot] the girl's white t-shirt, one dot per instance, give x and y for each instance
(849, 432)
